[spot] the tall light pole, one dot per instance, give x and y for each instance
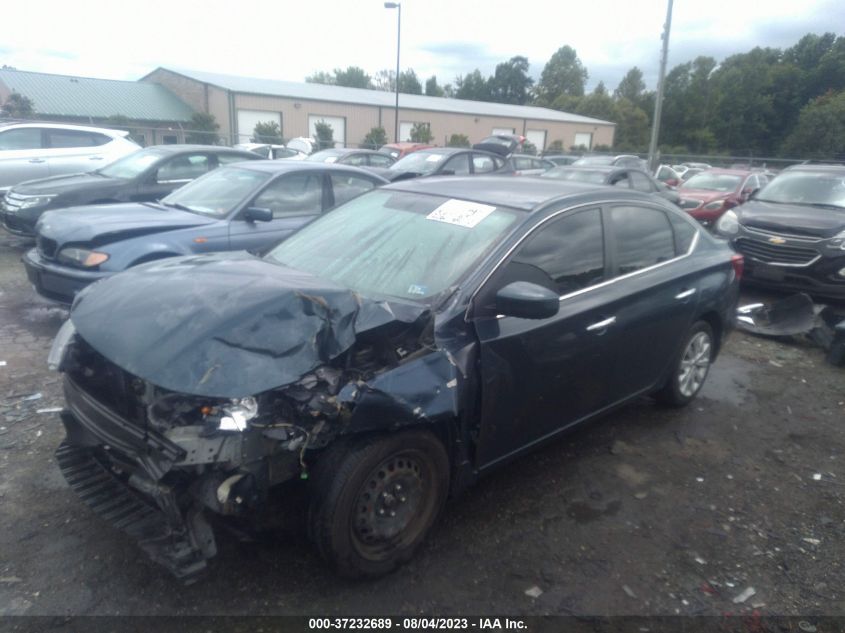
(396, 5)
(658, 102)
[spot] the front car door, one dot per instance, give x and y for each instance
(22, 156)
(539, 376)
(294, 198)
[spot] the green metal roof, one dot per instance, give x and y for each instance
(65, 95)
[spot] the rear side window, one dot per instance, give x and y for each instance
(293, 194)
(225, 159)
(564, 255)
(377, 160)
(643, 238)
(74, 138)
(21, 138)
(185, 167)
(684, 234)
(485, 164)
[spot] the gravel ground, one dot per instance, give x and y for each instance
(648, 512)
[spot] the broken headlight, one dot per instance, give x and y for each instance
(235, 415)
(837, 241)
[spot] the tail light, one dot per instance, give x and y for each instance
(738, 263)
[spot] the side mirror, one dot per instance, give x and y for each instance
(258, 214)
(527, 301)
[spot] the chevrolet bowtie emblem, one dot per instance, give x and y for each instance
(777, 240)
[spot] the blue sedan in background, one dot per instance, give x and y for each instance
(247, 206)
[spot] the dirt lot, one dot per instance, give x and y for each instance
(651, 511)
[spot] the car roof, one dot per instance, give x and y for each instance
(343, 151)
(525, 193)
(4, 123)
(729, 172)
(835, 169)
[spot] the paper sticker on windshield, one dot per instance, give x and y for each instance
(433, 158)
(461, 212)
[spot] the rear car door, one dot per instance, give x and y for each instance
(542, 375)
(22, 156)
(294, 198)
(655, 293)
(74, 151)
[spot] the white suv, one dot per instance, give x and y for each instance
(38, 150)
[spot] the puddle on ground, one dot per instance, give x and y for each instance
(728, 381)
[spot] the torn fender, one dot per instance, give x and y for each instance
(426, 389)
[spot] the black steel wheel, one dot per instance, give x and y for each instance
(373, 502)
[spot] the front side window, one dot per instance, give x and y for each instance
(397, 244)
(21, 138)
(186, 167)
(458, 165)
(643, 237)
(380, 160)
(564, 255)
(484, 164)
(293, 194)
(421, 163)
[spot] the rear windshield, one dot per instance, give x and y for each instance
(579, 175)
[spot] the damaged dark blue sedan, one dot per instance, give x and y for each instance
(381, 358)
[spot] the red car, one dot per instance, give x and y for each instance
(707, 195)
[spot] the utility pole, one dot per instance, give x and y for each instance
(658, 103)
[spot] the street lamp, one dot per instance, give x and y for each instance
(396, 5)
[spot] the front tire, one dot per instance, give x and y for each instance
(690, 367)
(373, 502)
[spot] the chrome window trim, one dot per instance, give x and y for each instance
(587, 205)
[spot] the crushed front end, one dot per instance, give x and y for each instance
(159, 465)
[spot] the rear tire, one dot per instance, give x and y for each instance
(690, 367)
(374, 501)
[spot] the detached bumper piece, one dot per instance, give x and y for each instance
(182, 547)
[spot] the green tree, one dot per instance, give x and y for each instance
(409, 83)
(597, 104)
(267, 132)
(688, 105)
(325, 135)
(421, 133)
(352, 77)
(320, 77)
(563, 74)
(432, 89)
(632, 87)
(17, 106)
(203, 129)
(385, 80)
(375, 138)
(472, 86)
(632, 127)
(458, 140)
(555, 146)
(820, 132)
(511, 83)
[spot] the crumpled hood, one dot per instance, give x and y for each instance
(102, 224)
(226, 325)
(65, 183)
(797, 219)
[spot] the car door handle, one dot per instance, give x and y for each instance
(685, 293)
(95, 158)
(36, 160)
(601, 325)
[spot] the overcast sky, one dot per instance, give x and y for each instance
(283, 39)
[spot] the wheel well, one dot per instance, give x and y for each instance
(715, 322)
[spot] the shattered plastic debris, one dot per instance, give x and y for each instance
(49, 410)
(817, 477)
(797, 315)
(806, 627)
(629, 591)
(2, 363)
(34, 396)
(745, 595)
(811, 541)
(534, 592)
(9, 580)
